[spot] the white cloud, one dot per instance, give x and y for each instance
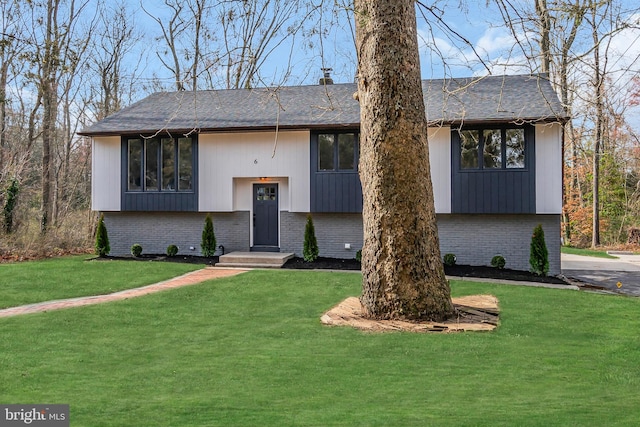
(495, 41)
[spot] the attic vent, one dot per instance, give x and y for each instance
(326, 80)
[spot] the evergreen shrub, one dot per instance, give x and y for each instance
(172, 250)
(449, 260)
(102, 239)
(498, 262)
(310, 249)
(208, 244)
(538, 255)
(136, 250)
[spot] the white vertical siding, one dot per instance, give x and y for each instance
(549, 168)
(440, 163)
(105, 173)
(225, 156)
(243, 193)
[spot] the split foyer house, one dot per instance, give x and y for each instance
(260, 160)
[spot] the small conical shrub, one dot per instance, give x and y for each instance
(208, 244)
(310, 248)
(102, 239)
(539, 256)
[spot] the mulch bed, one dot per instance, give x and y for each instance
(324, 263)
(456, 270)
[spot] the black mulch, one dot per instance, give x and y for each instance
(456, 270)
(351, 264)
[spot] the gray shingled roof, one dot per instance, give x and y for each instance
(493, 98)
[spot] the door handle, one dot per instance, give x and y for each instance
(254, 220)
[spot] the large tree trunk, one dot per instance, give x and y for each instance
(403, 275)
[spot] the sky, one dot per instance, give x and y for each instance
(441, 54)
(472, 20)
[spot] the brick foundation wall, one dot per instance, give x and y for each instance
(332, 232)
(474, 239)
(155, 231)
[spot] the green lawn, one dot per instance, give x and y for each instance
(249, 350)
(586, 252)
(37, 281)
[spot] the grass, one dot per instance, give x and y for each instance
(37, 281)
(586, 252)
(250, 351)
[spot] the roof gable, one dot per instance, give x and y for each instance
(493, 98)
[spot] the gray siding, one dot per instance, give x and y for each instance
(335, 192)
(159, 202)
(338, 191)
(494, 191)
(156, 231)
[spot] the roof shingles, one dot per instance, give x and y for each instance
(457, 101)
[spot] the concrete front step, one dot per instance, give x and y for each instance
(254, 259)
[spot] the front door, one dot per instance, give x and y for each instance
(265, 217)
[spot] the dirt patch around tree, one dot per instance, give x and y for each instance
(474, 313)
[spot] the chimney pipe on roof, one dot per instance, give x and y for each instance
(326, 80)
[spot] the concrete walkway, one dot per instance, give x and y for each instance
(192, 278)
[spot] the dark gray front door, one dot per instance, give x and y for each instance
(265, 216)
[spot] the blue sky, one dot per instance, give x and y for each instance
(338, 52)
(480, 24)
(442, 55)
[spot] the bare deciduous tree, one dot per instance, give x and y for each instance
(116, 39)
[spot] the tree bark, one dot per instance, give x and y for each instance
(598, 83)
(49, 104)
(403, 274)
(544, 24)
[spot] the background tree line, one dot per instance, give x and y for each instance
(589, 48)
(67, 63)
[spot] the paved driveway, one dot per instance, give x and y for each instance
(605, 273)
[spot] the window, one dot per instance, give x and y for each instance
(266, 193)
(325, 152)
(134, 154)
(168, 165)
(492, 149)
(515, 148)
(337, 152)
(185, 166)
(469, 144)
(152, 164)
